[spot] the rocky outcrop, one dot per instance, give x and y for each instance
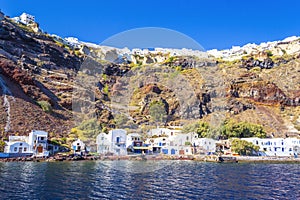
(251, 63)
(260, 91)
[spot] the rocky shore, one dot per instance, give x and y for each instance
(200, 158)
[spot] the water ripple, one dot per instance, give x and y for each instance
(125, 180)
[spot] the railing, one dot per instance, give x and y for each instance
(119, 143)
(40, 141)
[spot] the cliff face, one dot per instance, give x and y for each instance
(34, 68)
(38, 70)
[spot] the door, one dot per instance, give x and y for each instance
(20, 149)
(172, 151)
(181, 152)
(40, 149)
(165, 151)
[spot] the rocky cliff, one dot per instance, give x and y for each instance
(38, 75)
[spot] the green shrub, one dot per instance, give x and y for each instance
(201, 128)
(157, 111)
(233, 129)
(2, 145)
(243, 147)
(45, 105)
(269, 53)
(87, 130)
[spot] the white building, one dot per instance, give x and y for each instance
(133, 139)
(78, 146)
(179, 144)
(17, 144)
(38, 141)
(164, 132)
(26, 18)
(114, 142)
(205, 145)
(36, 144)
(72, 41)
(135, 144)
(277, 146)
(157, 143)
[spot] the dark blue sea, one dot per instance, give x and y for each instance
(148, 180)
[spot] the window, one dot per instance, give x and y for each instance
(21, 144)
(102, 138)
(290, 149)
(42, 138)
(25, 149)
(186, 150)
(282, 149)
(15, 149)
(265, 149)
(257, 142)
(187, 137)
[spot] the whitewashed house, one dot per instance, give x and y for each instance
(72, 41)
(164, 132)
(204, 145)
(133, 139)
(17, 145)
(277, 146)
(114, 142)
(103, 143)
(26, 18)
(135, 144)
(157, 143)
(179, 144)
(35, 144)
(78, 146)
(38, 141)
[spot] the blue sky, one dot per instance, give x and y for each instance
(214, 24)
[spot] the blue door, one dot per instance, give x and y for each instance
(172, 151)
(165, 151)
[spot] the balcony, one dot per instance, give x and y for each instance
(120, 144)
(41, 141)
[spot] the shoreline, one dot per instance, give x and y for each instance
(158, 157)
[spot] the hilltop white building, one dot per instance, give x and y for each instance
(26, 18)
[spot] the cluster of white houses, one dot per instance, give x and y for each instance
(156, 141)
(174, 142)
